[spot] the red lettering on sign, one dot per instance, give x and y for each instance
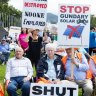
(76, 9)
(25, 4)
(85, 9)
(63, 9)
(70, 8)
(38, 5)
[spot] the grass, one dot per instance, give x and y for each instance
(2, 74)
(3, 68)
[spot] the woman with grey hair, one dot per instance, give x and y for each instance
(49, 66)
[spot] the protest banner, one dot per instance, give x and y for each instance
(73, 25)
(53, 89)
(34, 14)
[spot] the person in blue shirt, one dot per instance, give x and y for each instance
(92, 42)
(79, 71)
(5, 51)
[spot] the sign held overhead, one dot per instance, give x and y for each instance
(73, 25)
(34, 14)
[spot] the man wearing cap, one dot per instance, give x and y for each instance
(80, 71)
(5, 51)
(48, 69)
(18, 74)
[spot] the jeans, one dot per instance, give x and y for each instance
(18, 83)
(6, 55)
(2, 58)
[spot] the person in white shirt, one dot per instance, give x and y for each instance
(18, 74)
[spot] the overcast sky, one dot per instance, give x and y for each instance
(53, 4)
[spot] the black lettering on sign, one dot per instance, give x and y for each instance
(63, 91)
(71, 91)
(30, 14)
(49, 90)
(38, 23)
(37, 90)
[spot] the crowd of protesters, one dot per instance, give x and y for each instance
(50, 67)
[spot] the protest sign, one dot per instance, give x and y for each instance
(53, 89)
(34, 14)
(73, 25)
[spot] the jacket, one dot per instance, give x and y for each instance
(42, 68)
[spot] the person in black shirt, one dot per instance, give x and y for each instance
(35, 45)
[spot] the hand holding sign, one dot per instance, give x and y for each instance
(74, 62)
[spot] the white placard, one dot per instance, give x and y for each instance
(73, 25)
(34, 14)
(53, 89)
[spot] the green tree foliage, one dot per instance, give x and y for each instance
(4, 1)
(9, 10)
(9, 16)
(93, 21)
